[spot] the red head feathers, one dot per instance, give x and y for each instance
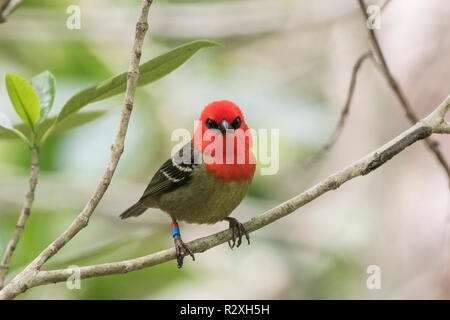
(222, 124)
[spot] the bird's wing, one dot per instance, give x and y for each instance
(174, 173)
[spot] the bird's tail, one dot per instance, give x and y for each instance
(133, 211)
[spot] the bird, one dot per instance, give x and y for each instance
(207, 178)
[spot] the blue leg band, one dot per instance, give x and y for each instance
(176, 232)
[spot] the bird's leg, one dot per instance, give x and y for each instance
(238, 231)
(181, 248)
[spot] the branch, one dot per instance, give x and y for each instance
(412, 117)
(434, 123)
(24, 214)
(344, 112)
(385, 4)
(19, 283)
(7, 7)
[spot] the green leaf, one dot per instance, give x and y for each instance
(8, 131)
(75, 121)
(44, 85)
(23, 98)
(149, 72)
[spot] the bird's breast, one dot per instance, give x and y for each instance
(205, 199)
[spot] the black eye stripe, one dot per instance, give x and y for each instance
(211, 124)
(236, 123)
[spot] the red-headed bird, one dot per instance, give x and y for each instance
(207, 178)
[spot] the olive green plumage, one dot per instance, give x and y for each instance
(190, 193)
(204, 199)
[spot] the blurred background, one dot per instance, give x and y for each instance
(287, 63)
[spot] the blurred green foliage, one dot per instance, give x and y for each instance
(292, 103)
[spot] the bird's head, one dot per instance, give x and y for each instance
(220, 118)
(223, 115)
(224, 119)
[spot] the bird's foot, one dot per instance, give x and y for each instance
(182, 249)
(238, 230)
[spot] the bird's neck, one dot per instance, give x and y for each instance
(235, 171)
(228, 158)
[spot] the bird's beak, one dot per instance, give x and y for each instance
(224, 126)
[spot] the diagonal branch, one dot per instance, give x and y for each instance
(346, 108)
(410, 114)
(7, 7)
(434, 123)
(24, 214)
(82, 219)
(344, 112)
(385, 4)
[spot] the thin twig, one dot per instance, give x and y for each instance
(384, 68)
(24, 214)
(412, 117)
(434, 123)
(344, 112)
(82, 219)
(345, 109)
(385, 4)
(7, 7)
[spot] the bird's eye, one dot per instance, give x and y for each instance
(236, 123)
(211, 124)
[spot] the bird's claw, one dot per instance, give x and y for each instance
(181, 249)
(238, 230)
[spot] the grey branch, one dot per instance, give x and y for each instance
(412, 117)
(20, 282)
(344, 112)
(346, 108)
(434, 123)
(24, 214)
(7, 7)
(385, 4)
